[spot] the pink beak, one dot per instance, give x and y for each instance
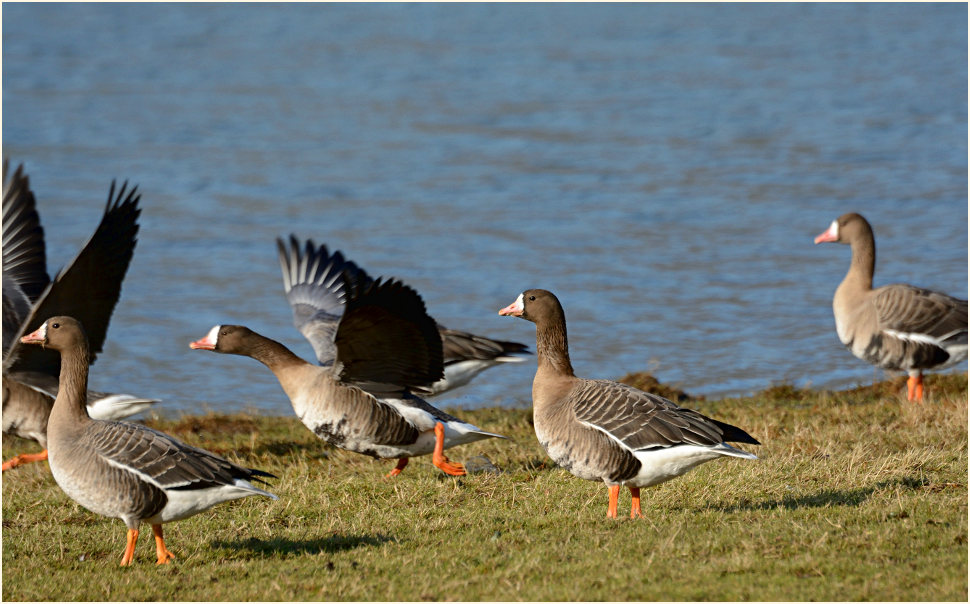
(34, 338)
(512, 310)
(205, 343)
(831, 234)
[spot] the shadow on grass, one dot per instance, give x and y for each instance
(286, 547)
(825, 498)
(284, 447)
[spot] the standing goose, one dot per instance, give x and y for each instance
(125, 470)
(898, 326)
(604, 430)
(384, 345)
(88, 288)
(316, 292)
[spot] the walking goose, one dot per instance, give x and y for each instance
(88, 288)
(124, 470)
(898, 326)
(316, 293)
(604, 430)
(384, 346)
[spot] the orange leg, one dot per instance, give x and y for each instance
(635, 508)
(914, 388)
(614, 499)
(130, 547)
(163, 554)
(401, 464)
(24, 458)
(452, 468)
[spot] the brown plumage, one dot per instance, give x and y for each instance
(123, 470)
(87, 288)
(898, 327)
(604, 430)
(383, 345)
(317, 284)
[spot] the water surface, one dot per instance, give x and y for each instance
(662, 168)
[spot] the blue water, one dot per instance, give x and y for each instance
(662, 168)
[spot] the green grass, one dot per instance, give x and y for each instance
(858, 495)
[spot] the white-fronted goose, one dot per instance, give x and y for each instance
(88, 288)
(125, 470)
(384, 346)
(604, 430)
(316, 294)
(898, 326)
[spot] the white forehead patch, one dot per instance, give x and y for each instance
(213, 336)
(43, 330)
(834, 229)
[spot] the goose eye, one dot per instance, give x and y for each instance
(55, 325)
(532, 298)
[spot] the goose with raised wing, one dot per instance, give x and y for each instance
(87, 288)
(606, 431)
(124, 470)
(385, 346)
(316, 292)
(898, 327)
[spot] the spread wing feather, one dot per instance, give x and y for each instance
(24, 254)
(316, 286)
(386, 342)
(88, 288)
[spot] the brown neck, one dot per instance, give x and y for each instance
(863, 261)
(552, 347)
(272, 354)
(71, 403)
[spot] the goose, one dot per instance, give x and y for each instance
(316, 292)
(384, 346)
(898, 327)
(89, 288)
(125, 470)
(605, 430)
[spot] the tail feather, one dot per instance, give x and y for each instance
(117, 406)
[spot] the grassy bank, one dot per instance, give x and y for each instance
(858, 495)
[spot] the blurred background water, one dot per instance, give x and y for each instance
(662, 167)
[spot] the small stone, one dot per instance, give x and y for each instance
(479, 464)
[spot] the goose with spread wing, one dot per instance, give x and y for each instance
(87, 288)
(316, 292)
(384, 347)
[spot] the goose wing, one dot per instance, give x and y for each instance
(86, 289)
(161, 459)
(640, 420)
(386, 342)
(24, 254)
(462, 346)
(922, 315)
(315, 282)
